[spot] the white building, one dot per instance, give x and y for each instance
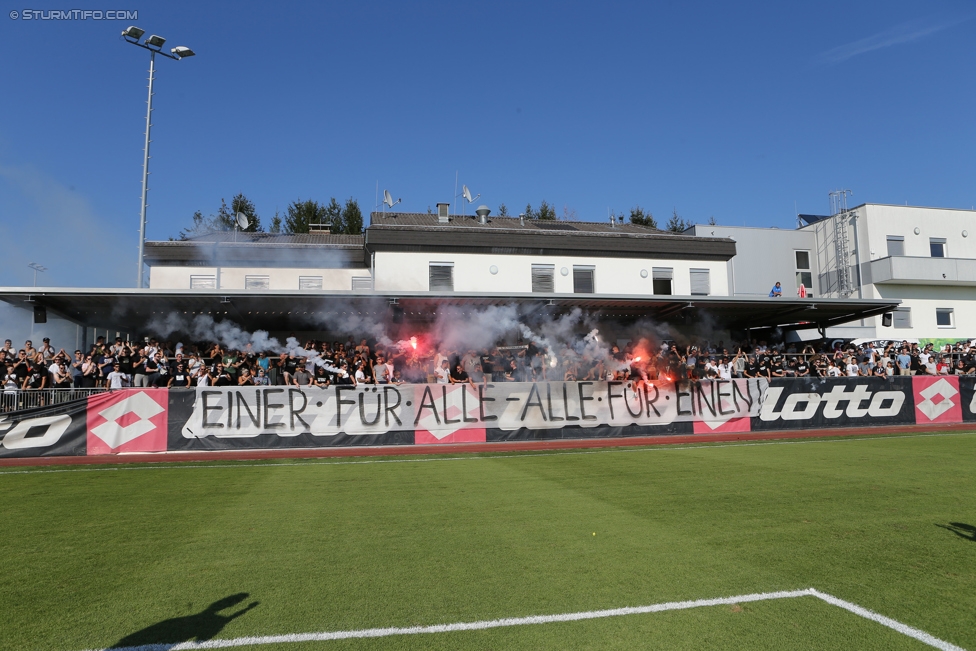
(406, 266)
(924, 258)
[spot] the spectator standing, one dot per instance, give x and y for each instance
(180, 378)
(116, 378)
(89, 372)
(76, 373)
(301, 377)
(152, 370)
(202, 378)
(460, 376)
(442, 374)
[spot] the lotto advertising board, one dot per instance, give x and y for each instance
(160, 420)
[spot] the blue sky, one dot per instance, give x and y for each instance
(712, 109)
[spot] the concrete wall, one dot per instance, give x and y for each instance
(234, 277)
(17, 324)
(764, 256)
(923, 302)
(396, 271)
(931, 222)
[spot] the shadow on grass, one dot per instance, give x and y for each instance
(200, 627)
(962, 530)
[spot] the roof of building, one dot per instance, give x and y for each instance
(543, 226)
(227, 248)
(230, 237)
(509, 235)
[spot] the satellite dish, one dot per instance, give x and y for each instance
(467, 194)
(243, 221)
(388, 199)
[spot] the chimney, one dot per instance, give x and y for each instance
(482, 213)
(613, 222)
(522, 219)
(442, 213)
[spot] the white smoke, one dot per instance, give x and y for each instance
(576, 335)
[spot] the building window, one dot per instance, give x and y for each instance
(804, 275)
(944, 317)
(543, 278)
(902, 318)
(937, 245)
(661, 278)
(257, 282)
(310, 282)
(896, 246)
(362, 282)
(700, 285)
(441, 276)
(583, 280)
(203, 282)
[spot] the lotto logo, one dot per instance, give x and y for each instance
(453, 418)
(720, 426)
(127, 421)
(936, 400)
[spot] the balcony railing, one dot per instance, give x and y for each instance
(905, 270)
(30, 398)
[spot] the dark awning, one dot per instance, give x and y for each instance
(131, 309)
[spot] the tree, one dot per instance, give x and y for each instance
(275, 223)
(502, 210)
(300, 214)
(352, 218)
(529, 213)
(676, 224)
(569, 214)
(333, 213)
(546, 212)
(225, 219)
(641, 218)
(201, 226)
(711, 221)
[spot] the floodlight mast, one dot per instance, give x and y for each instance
(154, 44)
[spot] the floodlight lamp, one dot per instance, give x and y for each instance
(133, 32)
(182, 52)
(155, 41)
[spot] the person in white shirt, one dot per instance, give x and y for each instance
(852, 369)
(202, 377)
(443, 373)
(439, 359)
(117, 379)
(832, 370)
(725, 369)
(360, 373)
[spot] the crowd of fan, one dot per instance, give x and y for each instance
(322, 363)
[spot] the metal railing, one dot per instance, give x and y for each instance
(31, 398)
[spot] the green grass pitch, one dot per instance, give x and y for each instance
(90, 557)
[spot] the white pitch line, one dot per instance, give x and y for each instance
(475, 456)
(904, 629)
(466, 626)
(327, 636)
